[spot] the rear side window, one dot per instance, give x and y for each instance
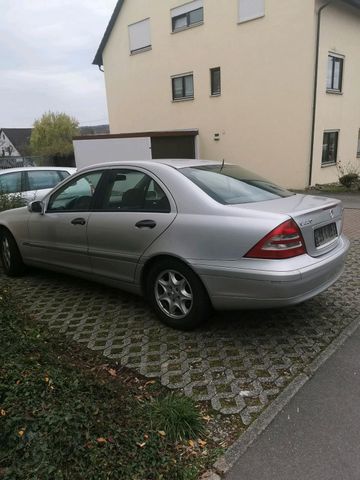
(133, 191)
(231, 184)
(10, 182)
(43, 179)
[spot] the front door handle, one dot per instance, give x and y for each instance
(146, 224)
(78, 221)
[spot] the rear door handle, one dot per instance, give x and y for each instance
(146, 224)
(78, 221)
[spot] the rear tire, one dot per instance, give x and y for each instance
(177, 295)
(10, 255)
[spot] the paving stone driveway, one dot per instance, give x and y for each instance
(238, 361)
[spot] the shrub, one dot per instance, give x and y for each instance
(177, 417)
(10, 201)
(349, 175)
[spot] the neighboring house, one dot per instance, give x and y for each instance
(269, 84)
(14, 142)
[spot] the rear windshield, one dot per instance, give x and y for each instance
(231, 184)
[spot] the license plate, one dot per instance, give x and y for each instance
(325, 234)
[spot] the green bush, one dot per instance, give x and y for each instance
(10, 201)
(350, 180)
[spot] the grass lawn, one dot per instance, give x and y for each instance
(65, 414)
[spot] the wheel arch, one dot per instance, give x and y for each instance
(157, 258)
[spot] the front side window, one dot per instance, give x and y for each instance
(183, 87)
(139, 36)
(42, 179)
(187, 15)
(77, 195)
(250, 9)
(10, 183)
(330, 147)
(215, 78)
(231, 184)
(335, 73)
(133, 191)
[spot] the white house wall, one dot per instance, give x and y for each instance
(6, 147)
(263, 115)
(340, 34)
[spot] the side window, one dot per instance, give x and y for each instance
(10, 182)
(42, 179)
(133, 191)
(63, 174)
(76, 195)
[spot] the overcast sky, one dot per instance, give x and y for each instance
(47, 47)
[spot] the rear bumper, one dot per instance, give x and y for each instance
(251, 283)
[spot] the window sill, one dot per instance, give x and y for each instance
(334, 92)
(198, 24)
(141, 50)
(185, 99)
(215, 95)
(250, 19)
(325, 165)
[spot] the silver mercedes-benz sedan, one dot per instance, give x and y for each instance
(187, 234)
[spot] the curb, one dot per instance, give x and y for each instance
(239, 447)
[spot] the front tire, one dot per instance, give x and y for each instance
(10, 256)
(177, 295)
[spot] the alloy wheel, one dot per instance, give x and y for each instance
(173, 294)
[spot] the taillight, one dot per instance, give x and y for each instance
(285, 241)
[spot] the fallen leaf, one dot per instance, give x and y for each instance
(112, 372)
(2, 412)
(150, 382)
(111, 440)
(202, 443)
(21, 432)
(146, 436)
(191, 443)
(207, 418)
(141, 445)
(161, 433)
(101, 440)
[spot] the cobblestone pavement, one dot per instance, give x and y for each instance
(238, 361)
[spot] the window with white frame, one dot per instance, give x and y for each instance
(183, 87)
(187, 15)
(250, 9)
(335, 73)
(139, 36)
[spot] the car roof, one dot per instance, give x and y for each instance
(171, 162)
(26, 169)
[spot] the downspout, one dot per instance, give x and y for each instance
(315, 88)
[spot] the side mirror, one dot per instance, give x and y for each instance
(36, 207)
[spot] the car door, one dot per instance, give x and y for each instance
(58, 237)
(132, 212)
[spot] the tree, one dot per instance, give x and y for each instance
(52, 135)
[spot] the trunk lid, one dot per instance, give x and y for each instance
(320, 219)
